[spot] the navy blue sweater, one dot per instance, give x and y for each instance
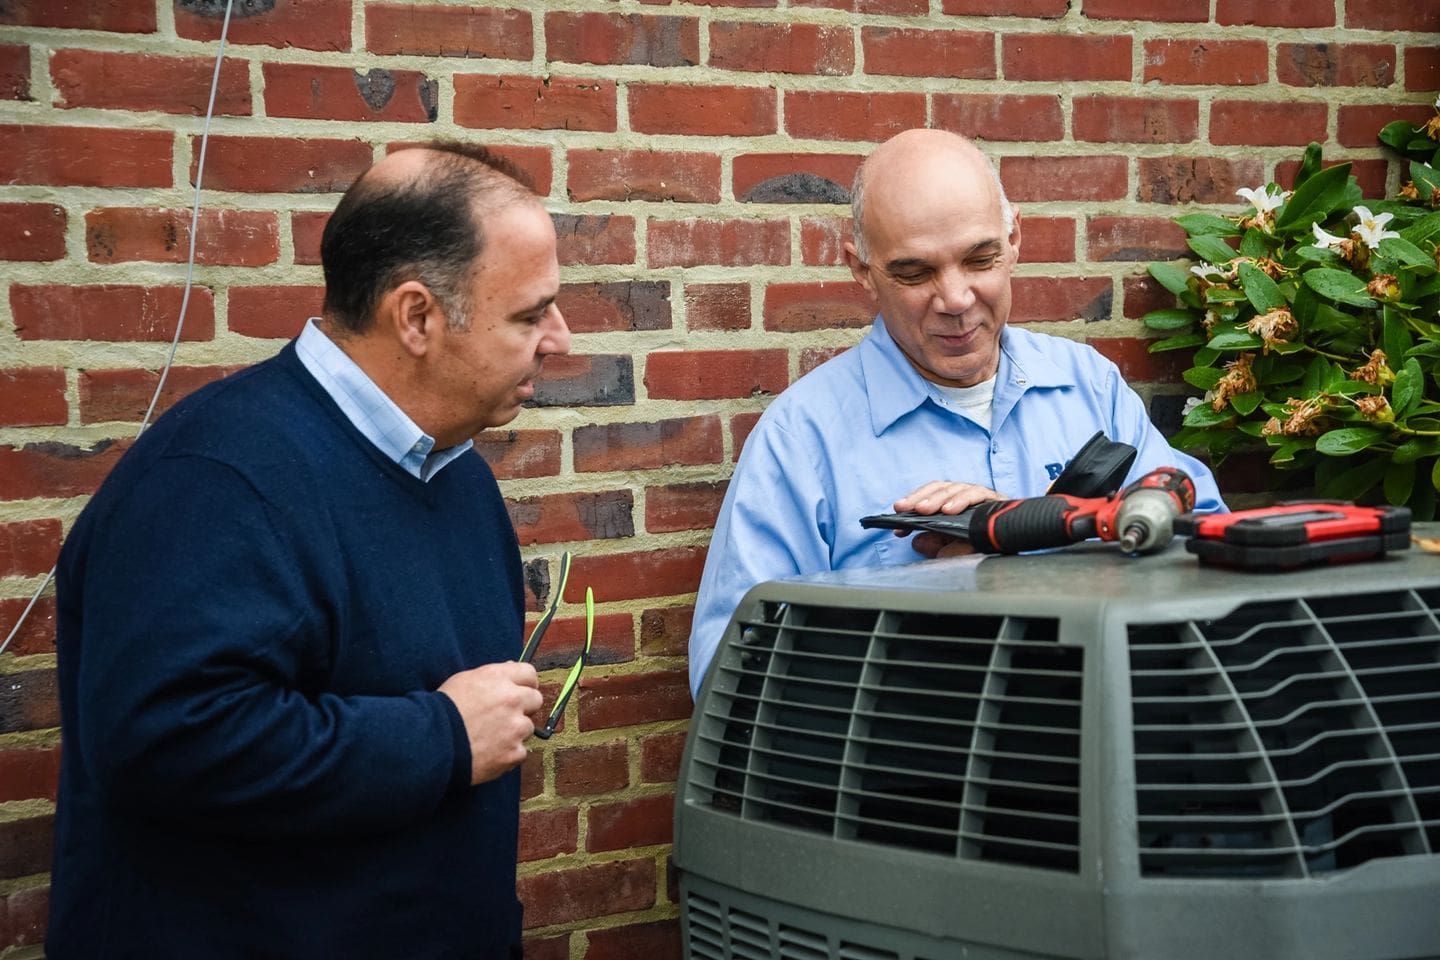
(254, 613)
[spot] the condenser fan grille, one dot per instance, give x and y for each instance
(954, 735)
(1291, 738)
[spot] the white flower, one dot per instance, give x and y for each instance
(1208, 271)
(1191, 404)
(1327, 240)
(1371, 227)
(1263, 200)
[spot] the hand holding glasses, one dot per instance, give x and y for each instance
(528, 653)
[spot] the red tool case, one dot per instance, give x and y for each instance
(1297, 534)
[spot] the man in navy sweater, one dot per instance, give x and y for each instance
(288, 620)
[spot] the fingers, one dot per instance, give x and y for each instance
(931, 544)
(495, 703)
(945, 496)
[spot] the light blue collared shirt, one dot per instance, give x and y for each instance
(864, 429)
(372, 412)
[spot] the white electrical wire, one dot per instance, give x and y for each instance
(184, 300)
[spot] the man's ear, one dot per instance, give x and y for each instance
(1015, 234)
(859, 269)
(412, 314)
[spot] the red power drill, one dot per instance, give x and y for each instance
(1141, 517)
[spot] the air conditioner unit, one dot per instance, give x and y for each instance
(1074, 755)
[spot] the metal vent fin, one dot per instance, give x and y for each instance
(954, 735)
(716, 928)
(1292, 738)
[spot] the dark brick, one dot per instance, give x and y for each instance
(626, 305)
(594, 380)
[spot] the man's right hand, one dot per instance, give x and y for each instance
(943, 496)
(495, 702)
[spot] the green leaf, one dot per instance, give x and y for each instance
(1424, 230)
(1396, 340)
(1211, 249)
(1203, 378)
(1429, 348)
(1178, 342)
(1338, 285)
(1427, 179)
(1397, 134)
(1256, 244)
(1399, 482)
(1171, 277)
(1235, 340)
(1263, 293)
(1407, 390)
(1309, 164)
(1313, 254)
(1285, 452)
(1206, 416)
(1317, 377)
(1435, 475)
(1315, 199)
(1416, 448)
(1218, 295)
(1245, 403)
(1284, 373)
(1173, 318)
(1398, 248)
(1204, 357)
(1422, 501)
(1354, 483)
(1348, 440)
(1354, 388)
(1205, 225)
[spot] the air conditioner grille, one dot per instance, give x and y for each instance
(1291, 738)
(953, 735)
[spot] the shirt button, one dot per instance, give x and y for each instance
(994, 448)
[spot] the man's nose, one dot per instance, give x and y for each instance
(954, 291)
(557, 335)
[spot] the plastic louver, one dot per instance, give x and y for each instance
(1289, 739)
(956, 735)
(716, 928)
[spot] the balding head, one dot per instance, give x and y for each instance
(418, 214)
(916, 161)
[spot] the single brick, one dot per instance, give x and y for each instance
(660, 756)
(548, 948)
(311, 25)
(1267, 13)
(613, 642)
(592, 770)
(273, 313)
(14, 71)
(32, 231)
(237, 238)
(1064, 178)
(36, 634)
(910, 52)
(1031, 118)
(707, 111)
(1422, 68)
(85, 156)
(432, 30)
(29, 773)
(28, 701)
(141, 81)
(1045, 9)
(646, 446)
(726, 243)
(873, 117)
(623, 305)
(308, 92)
(1047, 240)
(592, 380)
(51, 469)
(614, 39)
(683, 506)
(306, 229)
(740, 426)
(1055, 56)
(33, 397)
(536, 168)
(1134, 238)
(1104, 119)
(1335, 64)
(1137, 364)
(717, 306)
(594, 238)
(562, 517)
(803, 48)
(591, 890)
(1171, 11)
(520, 454)
(665, 631)
(812, 357)
(629, 699)
(1392, 15)
(1196, 179)
(636, 822)
(23, 917)
(281, 164)
(715, 374)
(627, 576)
(895, 7)
(823, 239)
(117, 16)
(547, 833)
(1143, 294)
(1370, 174)
(794, 177)
(804, 307)
(124, 395)
(1359, 125)
(532, 775)
(109, 312)
(25, 845)
(28, 547)
(1208, 61)
(677, 176)
(534, 103)
(1267, 124)
(1061, 298)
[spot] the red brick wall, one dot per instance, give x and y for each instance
(693, 152)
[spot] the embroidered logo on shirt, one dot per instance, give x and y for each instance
(1054, 469)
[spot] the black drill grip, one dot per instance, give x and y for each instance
(1032, 523)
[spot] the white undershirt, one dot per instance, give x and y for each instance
(972, 403)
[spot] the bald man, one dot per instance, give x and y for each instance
(941, 406)
(288, 620)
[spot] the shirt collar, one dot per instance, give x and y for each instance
(895, 388)
(369, 408)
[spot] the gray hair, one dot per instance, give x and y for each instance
(857, 207)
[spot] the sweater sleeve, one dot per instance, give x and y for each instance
(201, 688)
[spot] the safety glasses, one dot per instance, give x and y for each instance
(532, 644)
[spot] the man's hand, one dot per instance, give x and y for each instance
(948, 497)
(495, 702)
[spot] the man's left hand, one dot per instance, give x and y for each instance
(943, 496)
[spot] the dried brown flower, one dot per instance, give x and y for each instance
(1375, 370)
(1238, 379)
(1274, 327)
(1375, 407)
(1384, 286)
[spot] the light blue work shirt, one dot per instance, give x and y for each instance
(865, 429)
(370, 409)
